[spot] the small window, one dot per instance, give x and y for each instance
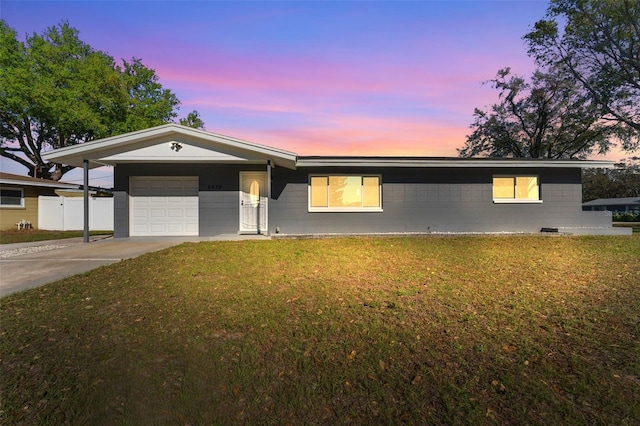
(344, 193)
(11, 197)
(514, 189)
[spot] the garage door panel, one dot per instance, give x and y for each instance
(157, 213)
(176, 213)
(140, 213)
(175, 228)
(166, 205)
(157, 228)
(140, 230)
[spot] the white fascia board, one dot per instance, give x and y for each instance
(450, 163)
(44, 184)
(103, 144)
(94, 151)
(262, 149)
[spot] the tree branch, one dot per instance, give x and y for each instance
(9, 155)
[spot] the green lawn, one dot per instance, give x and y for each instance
(30, 235)
(440, 330)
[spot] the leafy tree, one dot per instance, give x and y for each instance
(57, 91)
(543, 118)
(149, 104)
(193, 119)
(622, 181)
(597, 44)
(50, 92)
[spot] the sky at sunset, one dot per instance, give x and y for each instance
(315, 78)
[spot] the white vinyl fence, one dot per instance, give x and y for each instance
(67, 213)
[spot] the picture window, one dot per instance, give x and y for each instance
(344, 193)
(516, 189)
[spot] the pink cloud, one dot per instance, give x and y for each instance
(337, 102)
(291, 74)
(217, 68)
(361, 136)
(307, 85)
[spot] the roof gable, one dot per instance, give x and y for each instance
(155, 145)
(173, 149)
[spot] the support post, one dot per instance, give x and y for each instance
(86, 200)
(269, 167)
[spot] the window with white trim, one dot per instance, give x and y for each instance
(344, 193)
(516, 189)
(11, 197)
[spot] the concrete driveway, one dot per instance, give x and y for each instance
(29, 265)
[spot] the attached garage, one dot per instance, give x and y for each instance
(163, 205)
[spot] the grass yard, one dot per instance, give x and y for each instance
(437, 330)
(30, 235)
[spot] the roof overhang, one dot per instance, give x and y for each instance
(624, 201)
(170, 143)
(41, 183)
(174, 143)
(431, 162)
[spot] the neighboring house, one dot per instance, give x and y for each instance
(175, 180)
(19, 198)
(614, 205)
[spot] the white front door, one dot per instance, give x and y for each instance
(253, 202)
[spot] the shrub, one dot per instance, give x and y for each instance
(626, 217)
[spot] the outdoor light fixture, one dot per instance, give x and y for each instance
(176, 146)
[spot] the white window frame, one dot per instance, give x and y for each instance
(13, 206)
(344, 209)
(517, 200)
